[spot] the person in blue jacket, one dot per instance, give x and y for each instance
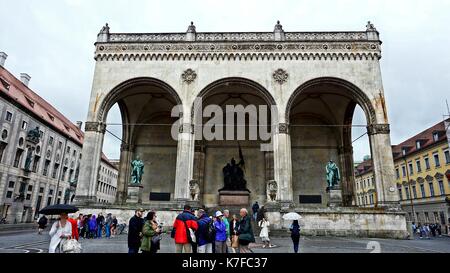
(221, 233)
(204, 238)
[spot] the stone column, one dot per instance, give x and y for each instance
(90, 163)
(283, 164)
(124, 173)
(199, 168)
(383, 165)
(347, 175)
(185, 162)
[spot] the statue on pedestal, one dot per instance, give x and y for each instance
(333, 176)
(194, 190)
(233, 175)
(137, 171)
(272, 190)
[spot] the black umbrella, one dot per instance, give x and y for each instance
(58, 209)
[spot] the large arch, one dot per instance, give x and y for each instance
(319, 114)
(211, 156)
(145, 105)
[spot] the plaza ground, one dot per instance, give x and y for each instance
(30, 242)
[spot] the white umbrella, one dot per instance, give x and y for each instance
(292, 216)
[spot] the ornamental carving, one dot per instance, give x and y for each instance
(283, 128)
(280, 76)
(374, 129)
(94, 127)
(188, 76)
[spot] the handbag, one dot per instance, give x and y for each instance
(71, 246)
(190, 234)
(235, 241)
(156, 239)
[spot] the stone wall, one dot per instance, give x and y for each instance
(345, 222)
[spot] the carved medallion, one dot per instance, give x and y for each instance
(188, 76)
(280, 76)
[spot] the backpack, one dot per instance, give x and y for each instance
(210, 234)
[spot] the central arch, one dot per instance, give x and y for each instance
(211, 156)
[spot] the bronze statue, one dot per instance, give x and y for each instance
(233, 175)
(34, 135)
(137, 171)
(333, 176)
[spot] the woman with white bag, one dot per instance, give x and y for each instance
(60, 232)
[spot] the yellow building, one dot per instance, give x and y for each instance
(422, 170)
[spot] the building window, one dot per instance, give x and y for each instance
(447, 156)
(24, 125)
(28, 196)
(441, 187)
(418, 144)
(2, 150)
(407, 193)
(9, 194)
(50, 192)
(46, 165)
(30, 187)
(427, 163)
(17, 158)
(400, 193)
(63, 175)
(49, 201)
(11, 184)
(55, 170)
(422, 190)
(435, 136)
(411, 170)
(414, 192)
(35, 163)
(8, 116)
(431, 188)
(436, 160)
(403, 171)
(59, 145)
(419, 167)
(41, 190)
(50, 141)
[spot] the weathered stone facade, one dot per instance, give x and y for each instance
(309, 79)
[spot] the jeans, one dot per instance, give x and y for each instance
(108, 231)
(221, 247)
(133, 250)
(207, 248)
(183, 248)
(99, 231)
(296, 240)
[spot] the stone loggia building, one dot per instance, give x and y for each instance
(42, 171)
(311, 80)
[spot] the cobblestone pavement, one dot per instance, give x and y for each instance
(31, 242)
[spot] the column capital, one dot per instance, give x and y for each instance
(374, 129)
(99, 127)
(283, 128)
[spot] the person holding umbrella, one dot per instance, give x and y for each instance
(294, 228)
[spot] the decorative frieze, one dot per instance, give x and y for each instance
(374, 129)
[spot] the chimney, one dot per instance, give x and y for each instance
(3, 57)
(25, 78)
(79, 124)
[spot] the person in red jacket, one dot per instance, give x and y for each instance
(184, 221)
(74, 224)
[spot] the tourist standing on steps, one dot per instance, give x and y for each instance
(113, 226)
(150, 230)
(205, 232)
(135, 231)
(93, 227)
(183, 224)
(108, 223)
(100, 224)
(245, 232)
(295, 234)
(221, 233)
(255, 209)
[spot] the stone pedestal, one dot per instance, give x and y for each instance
(234, 198)
(134, 195)
(334, 197)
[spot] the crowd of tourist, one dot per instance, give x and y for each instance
(427, 230)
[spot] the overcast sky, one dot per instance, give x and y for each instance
(52, 41)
